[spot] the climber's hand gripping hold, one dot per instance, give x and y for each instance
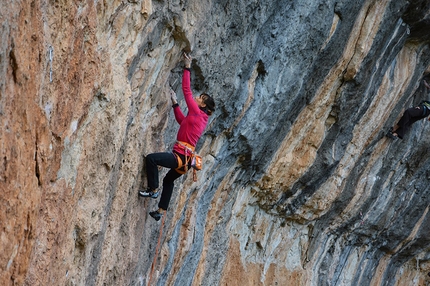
(187, 60)
(173, 96)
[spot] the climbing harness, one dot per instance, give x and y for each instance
(190, 156)
(156, 250)
(189, 151)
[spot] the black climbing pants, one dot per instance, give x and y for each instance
(410, 116)
(168, 160)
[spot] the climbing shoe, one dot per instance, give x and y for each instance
(391, 136)
(148, 193)
(156, 215)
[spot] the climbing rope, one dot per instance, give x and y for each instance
(156, 249)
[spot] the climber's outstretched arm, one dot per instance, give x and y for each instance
(192, 105)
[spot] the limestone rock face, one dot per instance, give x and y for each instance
(300, 186)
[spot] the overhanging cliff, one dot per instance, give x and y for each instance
(300, 186)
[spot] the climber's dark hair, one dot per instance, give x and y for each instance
(210, 103)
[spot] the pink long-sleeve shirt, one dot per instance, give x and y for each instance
(191, 126)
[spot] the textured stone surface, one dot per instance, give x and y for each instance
(299, 186)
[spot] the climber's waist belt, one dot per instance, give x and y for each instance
(188, 148)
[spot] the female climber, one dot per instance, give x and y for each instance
(179, 160)
(413, 114)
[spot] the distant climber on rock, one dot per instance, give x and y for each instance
(190, 130)
(413, 114)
